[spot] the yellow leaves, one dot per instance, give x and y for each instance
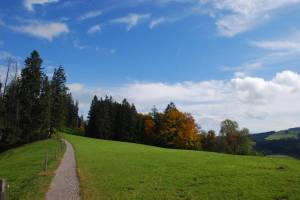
(149, 126)
(181, 126)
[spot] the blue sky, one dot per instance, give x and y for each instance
(216, 59)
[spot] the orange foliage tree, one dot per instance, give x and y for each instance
(179, 130)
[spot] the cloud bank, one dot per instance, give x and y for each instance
(256, 103)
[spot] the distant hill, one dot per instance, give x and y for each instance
(292, 133)
(286, 142)
(261, 136)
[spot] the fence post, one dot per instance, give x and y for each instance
(2, 189)
(46, 161)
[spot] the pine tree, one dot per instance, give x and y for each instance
(91, 127)
(72, 111)
(11, 132)
(59, 92)
(45, 108)
(30, 93)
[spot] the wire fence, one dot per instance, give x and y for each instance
(7, 190)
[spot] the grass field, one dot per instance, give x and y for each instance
(283, 135)
(23, 168)
(116, 170)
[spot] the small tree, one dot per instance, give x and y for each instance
(233, 140)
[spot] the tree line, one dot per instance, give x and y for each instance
(109, 119)
(32, 106)
(289, 146)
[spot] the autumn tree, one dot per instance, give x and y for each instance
(233, 140)
(178, 129)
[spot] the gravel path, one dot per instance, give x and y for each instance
(65, 184)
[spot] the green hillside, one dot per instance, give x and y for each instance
(117, 170)
(284, 135)
(292, 133)
(23, 168)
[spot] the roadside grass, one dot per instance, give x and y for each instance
(118, 170)
(23, 168)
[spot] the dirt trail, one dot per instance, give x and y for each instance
(65, 184)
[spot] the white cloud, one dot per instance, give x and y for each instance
(29, 4)
(156, 22)
(289, 44)
(45, 30)
(245, 69)
(94, 29)
(131, 20)
(15, 65)
(78, 45)
(91, 14)
(256, 103)
(75, 87)
(237, 16)
(279, 45)
(233, 17)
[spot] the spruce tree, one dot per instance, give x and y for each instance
(45, 108)
(91, 127)
(58, 98)
(30, 94)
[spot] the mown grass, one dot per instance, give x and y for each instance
(117, 170)
(283, 135)
(23, 168)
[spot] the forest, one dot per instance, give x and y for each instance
(108, 119)
(32, 106)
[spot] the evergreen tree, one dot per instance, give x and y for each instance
(26, 104)
(72, 112)
(91, 126)
(45, 108)
(59, 92)
(11, 132)
(30, 96)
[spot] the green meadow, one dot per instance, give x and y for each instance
(118, 170)
(24, 168)
(283, 135)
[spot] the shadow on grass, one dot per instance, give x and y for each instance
(71, 131)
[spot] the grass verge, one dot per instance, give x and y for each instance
(23, 168)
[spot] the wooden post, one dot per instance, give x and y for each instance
(46, 161)
(2, 189)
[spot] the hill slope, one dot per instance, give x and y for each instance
(116, 170)
(285, 142)
(292, 133)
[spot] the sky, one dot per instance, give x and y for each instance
(216, 59)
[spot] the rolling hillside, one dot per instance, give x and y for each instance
(292, 133)
(286, 142)
(118, 170)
